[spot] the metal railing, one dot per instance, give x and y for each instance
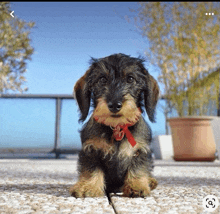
(58, 97)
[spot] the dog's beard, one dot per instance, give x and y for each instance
(129, 114)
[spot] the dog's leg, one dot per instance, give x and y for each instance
(90, 184)
(138, 183)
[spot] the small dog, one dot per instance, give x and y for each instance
(115, 153)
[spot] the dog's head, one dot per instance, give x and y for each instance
(119, 87)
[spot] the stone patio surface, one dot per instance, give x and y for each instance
(41, 186)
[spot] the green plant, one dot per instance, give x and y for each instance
(15, 49)
(184, 43)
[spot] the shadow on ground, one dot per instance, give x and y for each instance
(62, 190)
(58, 190)
(187, 164)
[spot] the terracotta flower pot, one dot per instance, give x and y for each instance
(193, 139)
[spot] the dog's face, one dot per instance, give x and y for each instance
(119, 87)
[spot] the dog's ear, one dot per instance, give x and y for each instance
(82, 94)
(151, 95)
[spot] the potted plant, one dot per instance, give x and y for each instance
(192, 138)
(182, 43)
(192, 134)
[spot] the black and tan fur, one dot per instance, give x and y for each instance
(119, 88)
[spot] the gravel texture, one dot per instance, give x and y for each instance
(41, 186)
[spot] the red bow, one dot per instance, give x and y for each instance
(119, 134)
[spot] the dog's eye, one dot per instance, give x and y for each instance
(102, 80)
(130, 79)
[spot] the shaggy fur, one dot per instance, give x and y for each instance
(119, 88)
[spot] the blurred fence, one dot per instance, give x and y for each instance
(41, 115)
(33, 122)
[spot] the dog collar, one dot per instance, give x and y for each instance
(120, 130)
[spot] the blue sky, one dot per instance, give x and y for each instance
(66, 35)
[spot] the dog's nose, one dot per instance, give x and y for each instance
(114, 107)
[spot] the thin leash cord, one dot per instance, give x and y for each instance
(111, 203)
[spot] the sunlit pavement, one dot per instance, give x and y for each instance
(41, 186)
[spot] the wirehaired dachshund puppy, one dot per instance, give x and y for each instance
(115, 155)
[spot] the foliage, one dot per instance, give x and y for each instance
(184, 42)
(15, 49)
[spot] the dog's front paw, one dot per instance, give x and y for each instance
(139, 186)
(152, 183)
(135, 191)
(81, 190)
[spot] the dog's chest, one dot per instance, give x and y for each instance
(116, 166)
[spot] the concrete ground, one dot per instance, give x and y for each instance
(41, 186)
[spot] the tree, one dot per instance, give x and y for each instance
(184, 42)
(15, 50)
